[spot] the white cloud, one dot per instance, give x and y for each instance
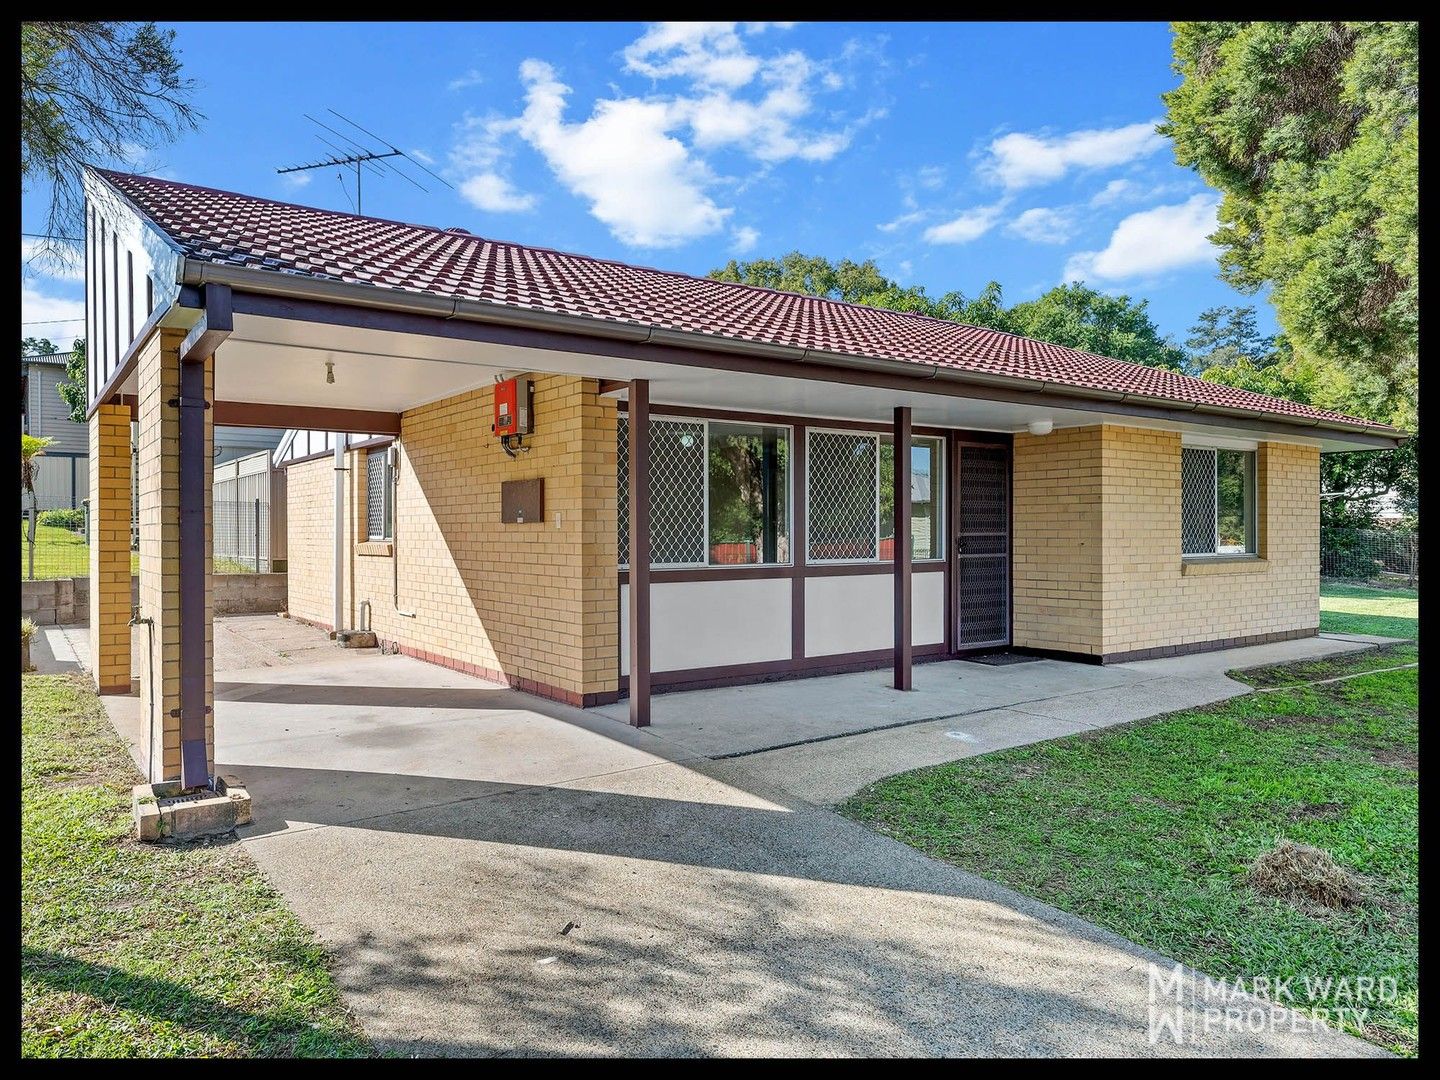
(297, 180)
(930, 176)
(473, 77)
(970, 225)
(1021, 160)
(491, 191)
(710, 53)
(743, 239)
(642, 161)
(1115, 191)
(57, 260)
(1151, 242)
(900, 222)
(1044, 225)
(45, 315)
(640, 181)
(422, 157)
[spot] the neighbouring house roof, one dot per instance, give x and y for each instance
(245, 231)
(60, 358)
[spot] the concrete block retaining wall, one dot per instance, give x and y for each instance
(63, 601)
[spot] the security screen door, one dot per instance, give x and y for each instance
(982, 546)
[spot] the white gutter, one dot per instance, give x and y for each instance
(198, 272)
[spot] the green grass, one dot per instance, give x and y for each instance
(60, 553)
(1148, 830)
(223, 565)
(144, 950)
(1329, 667)
(1358, 609)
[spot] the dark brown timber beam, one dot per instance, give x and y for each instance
(217, 320)
(640, 553)
(194, 583)
(904, 650)
(315, 418)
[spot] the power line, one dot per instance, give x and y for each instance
(51, 322)
(52, 236)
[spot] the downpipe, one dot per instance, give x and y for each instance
(395, 531)
(137, 620)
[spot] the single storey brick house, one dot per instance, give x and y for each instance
(685, 482)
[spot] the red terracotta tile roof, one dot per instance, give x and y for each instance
(242, 230)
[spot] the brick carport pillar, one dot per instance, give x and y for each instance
(176, 473)
(110, 548)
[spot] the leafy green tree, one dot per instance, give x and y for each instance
(1226, 335)
(812, 275)
(92, 91)
(37, 346)
(31, 447)
(1311, 131)
(74, 390)
(1083, 318)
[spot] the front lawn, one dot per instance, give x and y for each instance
(59, 553)
(1150, 829)
(1357, 609)
(145, 950)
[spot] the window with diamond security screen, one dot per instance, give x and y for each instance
(719, 493)
(925, 490)
(1217, 501)
(677, 491)
(843, 496)
(377, 493)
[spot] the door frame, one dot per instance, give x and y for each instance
(958, 441)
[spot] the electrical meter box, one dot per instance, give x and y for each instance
(513, 407)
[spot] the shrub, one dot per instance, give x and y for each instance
(63, 519)
(27, 629)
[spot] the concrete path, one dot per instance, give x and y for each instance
(501, 875)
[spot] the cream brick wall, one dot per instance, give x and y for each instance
(1097, 546)
(110, 548)
(535, 603)
(1057, 540)
(158, 465)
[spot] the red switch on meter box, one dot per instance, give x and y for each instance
(513, 398)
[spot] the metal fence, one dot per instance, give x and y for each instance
(242, 534)
(1384, 555)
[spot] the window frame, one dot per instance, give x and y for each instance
(1252, 503)
(387, 498)
(938, 512)
(705, 422)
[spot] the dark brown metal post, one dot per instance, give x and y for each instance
(903, 549)
(639, 414)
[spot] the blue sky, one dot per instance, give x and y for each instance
(952, 154)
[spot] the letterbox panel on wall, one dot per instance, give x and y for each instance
(522, 502)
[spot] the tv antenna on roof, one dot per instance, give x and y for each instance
(361, 155)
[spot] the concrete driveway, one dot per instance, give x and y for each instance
(501, 875)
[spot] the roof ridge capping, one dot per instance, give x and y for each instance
(1003, 357)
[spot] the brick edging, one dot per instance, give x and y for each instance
(1162, 651)
(529, 686)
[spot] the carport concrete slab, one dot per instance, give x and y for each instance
(745, 719)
